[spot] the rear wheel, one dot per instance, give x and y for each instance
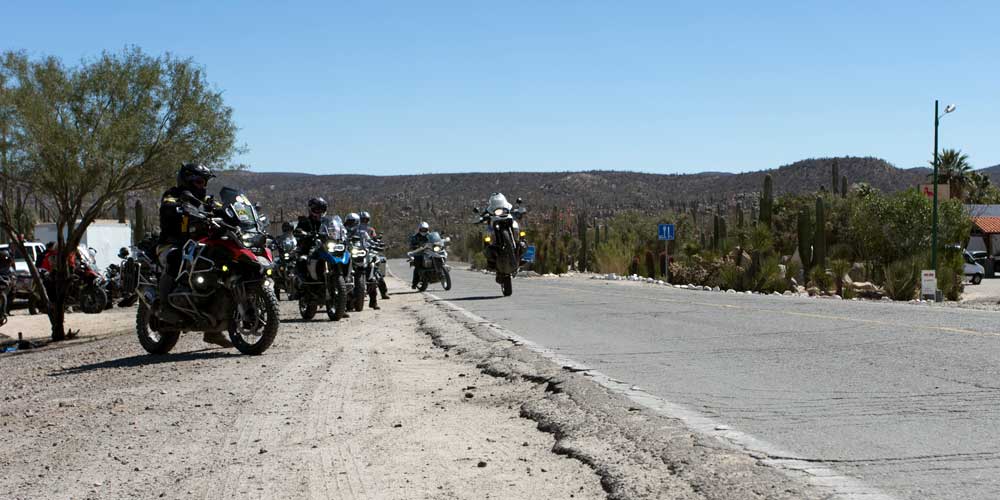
(338, 308)
(92, 299)
(306, 309)
(254, 324)
(152, 341)
(506, 286)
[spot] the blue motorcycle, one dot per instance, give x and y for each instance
(324, 279)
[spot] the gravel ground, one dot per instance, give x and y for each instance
(364, 408)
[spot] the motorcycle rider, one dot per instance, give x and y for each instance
(355, 227)
(6, 277)
(306, 229)
(180, 209)
(417, 240)
(366, 219)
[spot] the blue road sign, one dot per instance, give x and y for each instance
(666, 232)
(529, 254)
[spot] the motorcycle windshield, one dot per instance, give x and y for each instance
(334, 227)
(434, 238)
(240, 209)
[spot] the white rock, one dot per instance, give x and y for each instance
(730, 291)
(835, 296)
(716, 289)
(787, 292)
(749, 292)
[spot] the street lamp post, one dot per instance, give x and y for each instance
(934, 210)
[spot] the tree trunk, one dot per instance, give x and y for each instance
(57, 306)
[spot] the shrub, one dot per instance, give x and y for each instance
(731, 275)
(901, 279)
(612, 257)
(819, 278)
(840, 269)
(792, 270)
(950, 274)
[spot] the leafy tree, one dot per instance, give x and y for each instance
(93, 133)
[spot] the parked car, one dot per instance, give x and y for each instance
(24, 287)
(973, 270)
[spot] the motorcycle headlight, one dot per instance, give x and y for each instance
(338, 247)
(357, 252)
(498, 212)
(437, 248)
(286, 255)
(523, 234)
(247, 237)
(330, 246)
(487, 239)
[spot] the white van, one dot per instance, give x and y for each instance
(973, 270)
(34, 250)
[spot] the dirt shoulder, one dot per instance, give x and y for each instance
(363, 408)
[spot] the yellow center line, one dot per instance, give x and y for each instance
(790, 313)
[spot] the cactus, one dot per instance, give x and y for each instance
(739, 218)
(819, 243)
(767, 201)
(843, 186)
(805, 247)
(120, 210)
(582, 230)
(722, 233)
(139, 224)
(836, 176)
(716, 242)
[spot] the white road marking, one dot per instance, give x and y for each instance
(840, 486)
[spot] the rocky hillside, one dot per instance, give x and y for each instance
(400, 202)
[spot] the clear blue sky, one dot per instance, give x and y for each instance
(659, 86)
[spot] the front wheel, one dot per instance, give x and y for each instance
(445, 279)
(506, 286)
(92, 299)
(306, 309)
(152, 341)
(977, 279)
(254, 324)
(338, 309)
(359, 290)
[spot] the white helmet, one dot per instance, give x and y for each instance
(423, 227)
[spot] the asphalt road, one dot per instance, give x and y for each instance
(902, 397)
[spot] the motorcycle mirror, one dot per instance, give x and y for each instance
(520, 201)
(475, 210)
(123, 253)
(92, 251)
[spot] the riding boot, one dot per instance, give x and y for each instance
(383, 289)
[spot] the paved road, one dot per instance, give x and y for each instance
(903, 397)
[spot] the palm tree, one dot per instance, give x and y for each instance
(954, 169)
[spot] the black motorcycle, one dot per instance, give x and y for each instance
(504, 239)
(432, 261)
(364, 272)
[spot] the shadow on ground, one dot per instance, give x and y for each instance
(146, 360)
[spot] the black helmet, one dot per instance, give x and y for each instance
(190, 174)
(317, 206)
(286, 227)
(365, 217)
(5, 259)
(352, 220)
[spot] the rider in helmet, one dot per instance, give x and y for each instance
(182, 207)
(6, 279)
(307, 228)
(366, 225)
(416, 241)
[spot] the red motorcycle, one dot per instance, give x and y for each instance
(223, 283)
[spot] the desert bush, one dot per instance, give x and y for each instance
(731, 276)
(840, 268)
(901, 279)
(819, 278)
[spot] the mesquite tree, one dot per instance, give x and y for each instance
(91, 134)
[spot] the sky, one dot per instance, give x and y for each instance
(407, 87)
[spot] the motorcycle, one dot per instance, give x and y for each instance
(222, 283)
(327, 265)
(363, 263)
(285, 266)
(86, 286)
(433, 262)
(504, 239)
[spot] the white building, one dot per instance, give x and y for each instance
(105, 236)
